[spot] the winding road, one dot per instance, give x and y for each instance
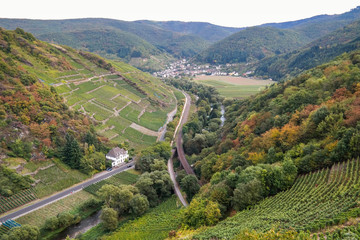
(41, 203)
(104, 175)
(180, 150)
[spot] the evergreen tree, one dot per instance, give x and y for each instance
(71, 153)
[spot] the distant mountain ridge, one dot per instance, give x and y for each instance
(246, 46)
(150, 45)
(207, 31)
(154, 43)
(322, 50)
(252, 44)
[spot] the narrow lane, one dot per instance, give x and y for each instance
(172, 176)
(65, 193)
(180, 150)
(179, 141)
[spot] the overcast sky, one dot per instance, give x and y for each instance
(235, 13)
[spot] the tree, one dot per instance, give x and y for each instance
(94, 161)
(155, 186)
(51, 223)
(71, 153)
(190, 185)
(158, 165)
(118, 197)
(201, 212)
(139, 204)
(247, 194)
(160, 151)
(66, 219)
(109, 218)
(25, 232)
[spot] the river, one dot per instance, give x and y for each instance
(222, 118)
(81, 227)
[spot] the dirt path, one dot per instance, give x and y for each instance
(95, 89)
(39, 169)
(116, 112)
(144, 130)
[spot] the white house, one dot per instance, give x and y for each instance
(117, 156)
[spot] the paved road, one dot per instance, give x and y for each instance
(179, 142)
(180, 150)
(172, 176)
(66, 192)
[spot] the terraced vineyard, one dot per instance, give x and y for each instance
(16, 200)
(114, 94)
(121, 178)
(154, 225)
(116, 100)
(316, 200)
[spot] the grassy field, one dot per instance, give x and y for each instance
(38, 217)
(116, 180)
(233, 87)
(57, 178)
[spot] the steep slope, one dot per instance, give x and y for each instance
(303, 125)
(123, 101)
(316, 200)
(255, 43)
(34, 119)
(207, 31)
(321, 25)
(137, 40)
(315, 53)
(252, 44)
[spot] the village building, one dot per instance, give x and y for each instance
(117, 156)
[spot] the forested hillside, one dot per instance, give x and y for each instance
(285, 66)
(303, 125)
(146, 46)
(252, 44)
(269, 40)
(321, 25)
(42, 85)
(207, 31)
(34, 118)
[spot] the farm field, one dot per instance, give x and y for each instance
(234, 87)
(56, 178)
(38, 217)
(16, 200)
(116, 180)
(324, 198)
(154, 225)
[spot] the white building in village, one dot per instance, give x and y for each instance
(117, 156)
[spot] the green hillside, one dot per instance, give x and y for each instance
(268, 142)
(113, 95)
(272, 39)
(129, 41)
(252, 44)
(321, 25)
(324, 49)
(324, 198)
(207, 31)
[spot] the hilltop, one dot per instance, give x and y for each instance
(252, 44)
(272, 39)
(288, 65)
(206, 31)
(147, 45)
